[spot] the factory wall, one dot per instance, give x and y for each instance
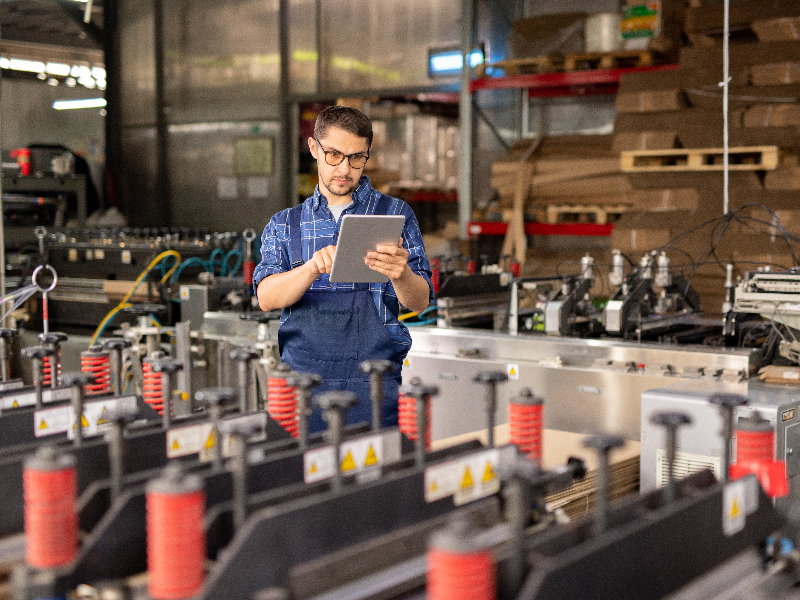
(29, 118)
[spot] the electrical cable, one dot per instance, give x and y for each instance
(231, 271)
(124, 302)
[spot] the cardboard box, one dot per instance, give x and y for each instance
(705, 58)
(772, 115)
(547, 34)
(784, 178)
(780, 73)
(775, 30)
(741, 96)
(742, 13)
(644, 81)
(651, 101)
(645, 140)
(670, 199)
(639, 232)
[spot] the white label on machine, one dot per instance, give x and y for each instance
(257, 420)
(512, 371)
(466, 479)
(183, 441)
(13, 384)
(50, 421)
(29, 398)
(355, 456)
(734, 507)
(96, 415)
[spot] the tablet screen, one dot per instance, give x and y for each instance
(358, 235)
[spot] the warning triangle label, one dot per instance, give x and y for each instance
(348, 464)
(406, 362)
(371, 459)
(175, 444)
(488, 473)
(313, 468)
(43, 424)
(466, 481)
(15, 405)
(512, 371)
(734, 508)
(434, 486)
(84, 422)
(103, 416)
(210, 441)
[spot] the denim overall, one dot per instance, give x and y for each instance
(329, 333)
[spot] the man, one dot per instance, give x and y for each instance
(329, 328)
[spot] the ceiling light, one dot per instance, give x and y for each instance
(32, 66)
(4, 63)
(52, 81)
(98, 72)
(57, 69)
(70, 82)
(86, 103)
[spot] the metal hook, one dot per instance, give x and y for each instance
(38, 270)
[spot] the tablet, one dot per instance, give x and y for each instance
(358, 235)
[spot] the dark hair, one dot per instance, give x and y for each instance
(350, 119)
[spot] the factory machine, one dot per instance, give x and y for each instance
(370, 513)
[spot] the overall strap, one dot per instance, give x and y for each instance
(295, 236)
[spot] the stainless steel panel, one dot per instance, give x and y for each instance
(792, 454)
(221, 59)
(388, 42)
(137, 188)
(137, 62)
(201, 159)
(582, 392)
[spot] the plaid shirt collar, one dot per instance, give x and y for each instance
(360, 195)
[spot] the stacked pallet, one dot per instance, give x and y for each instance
(662, 111)
(573, 179)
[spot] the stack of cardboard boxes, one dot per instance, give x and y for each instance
(683, 108)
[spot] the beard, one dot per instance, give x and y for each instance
(338, 188)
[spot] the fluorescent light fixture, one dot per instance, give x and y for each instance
(57, 69)
(5, 63)
(98, 72)
(31, 66)
(70, 82)
(445, 62)
(72, 104)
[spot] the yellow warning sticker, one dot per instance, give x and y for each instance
(466, 480)
(512, 370)
(176, 445)
(371, 459)
(210, 441)
(488, 473)
(43, 424)
(103, 416)
(734, 506)
(15, 405)
(348, 464)
(84, 422)
(312, 468)
(406, 362)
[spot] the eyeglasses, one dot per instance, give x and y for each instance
(334, 158)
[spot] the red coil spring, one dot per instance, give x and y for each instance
(152, 389)
(755, 446)
(47, 369)
(407, 419)
(282, 404)
(176, 545)
(525, 427)
(248, 267)
(97, 363)
(514, 267)
(436, 276)
(471, 267)
(51, 518)
(457, 576)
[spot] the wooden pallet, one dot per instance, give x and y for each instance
(583, 213)
(532, 65)
(752, 158)
(608, 60)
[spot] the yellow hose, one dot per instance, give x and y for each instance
(124, 302)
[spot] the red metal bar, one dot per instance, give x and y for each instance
(546, 84)
(500, 228)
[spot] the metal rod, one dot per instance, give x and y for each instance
(465, 120)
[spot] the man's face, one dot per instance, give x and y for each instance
(338, 182)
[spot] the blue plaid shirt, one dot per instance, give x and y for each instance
(318, 229)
